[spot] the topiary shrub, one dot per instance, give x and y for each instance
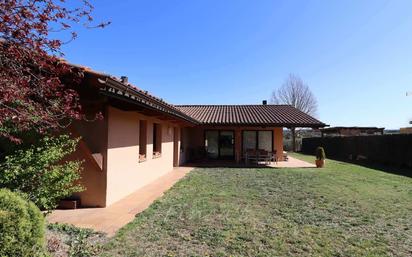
(320, 153)
(38, 171)
(22, 228)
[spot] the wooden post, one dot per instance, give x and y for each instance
(293, 131)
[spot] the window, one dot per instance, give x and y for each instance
(142, 140)
(157, 140)
(258, 139)
(265, 141)
(249, 140)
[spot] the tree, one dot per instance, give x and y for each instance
(39, 172)
(37, 87)
(295, 92)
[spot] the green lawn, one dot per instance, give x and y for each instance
(341, 210)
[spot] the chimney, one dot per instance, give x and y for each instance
(124, 79)
(264, 102)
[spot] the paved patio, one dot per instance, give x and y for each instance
(115, 216)
(290, 163)
(293, 163)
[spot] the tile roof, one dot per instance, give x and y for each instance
(115, 87)
(252, 115)
(264, 115)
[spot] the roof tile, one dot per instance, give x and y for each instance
(275, 115)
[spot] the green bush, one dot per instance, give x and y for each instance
(39, 172)
(22, 229)
(320, 153)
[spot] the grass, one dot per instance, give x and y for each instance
(341, 210)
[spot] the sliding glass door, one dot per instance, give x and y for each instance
(219, 144)
(265, 140)
(257, 139)
(226, 145)
(212, 143)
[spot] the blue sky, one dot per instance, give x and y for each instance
(356, 56)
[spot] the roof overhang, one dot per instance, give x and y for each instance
(130, 98)
(120, 94)
(147, 104)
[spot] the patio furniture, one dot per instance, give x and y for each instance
(260, 155)
(285, 156)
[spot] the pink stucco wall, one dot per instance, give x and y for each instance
(116, 139)
(93, 179)
(124, 172)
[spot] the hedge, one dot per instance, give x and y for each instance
(393, 150)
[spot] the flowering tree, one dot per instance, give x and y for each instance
(37, 88)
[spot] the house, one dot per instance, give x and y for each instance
(141, 137)
(351, 131)
(406, 130)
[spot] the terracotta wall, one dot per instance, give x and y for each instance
(124, 172)
(93, 178)
(278, 142)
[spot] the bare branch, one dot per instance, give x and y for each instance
(295, 92)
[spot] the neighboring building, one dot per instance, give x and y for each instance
(391, 131)
(351, 131)
(141, 137)
(405, 130)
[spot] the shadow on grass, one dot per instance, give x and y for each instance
(402, 171)
(225, 164)
(234, 165)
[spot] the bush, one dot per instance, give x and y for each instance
(22, 226)
(320, 153)
(38, 171)
(81, 242)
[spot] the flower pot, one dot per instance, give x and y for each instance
(320, 163)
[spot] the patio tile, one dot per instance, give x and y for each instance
(292, 163)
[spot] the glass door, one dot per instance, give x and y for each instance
(226, 144)
(257, 140)
(212, 143)
(219, 144)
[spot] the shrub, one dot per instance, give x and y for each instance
(320, 153)
(81, 242)
(22, 226)
(39, 172)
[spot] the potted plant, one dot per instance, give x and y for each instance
(320, 157)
